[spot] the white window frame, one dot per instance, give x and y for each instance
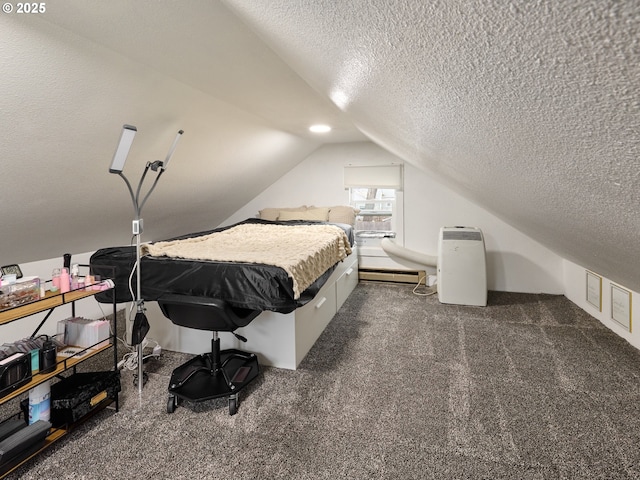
(383, 177)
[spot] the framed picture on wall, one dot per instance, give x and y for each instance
(594, 290)
(621, 306)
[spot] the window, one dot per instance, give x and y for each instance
(377, 208)
(376, 191)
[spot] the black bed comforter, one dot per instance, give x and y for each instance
(245, 285)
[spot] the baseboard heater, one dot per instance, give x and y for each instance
(390, 275)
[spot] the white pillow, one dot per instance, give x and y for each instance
(273, 213)
(317, 214)
(343, 214)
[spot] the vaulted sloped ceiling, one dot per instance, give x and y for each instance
(73, 75)
(531, 109)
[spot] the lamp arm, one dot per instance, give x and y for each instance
(133, 198)
(137, 200)
(155, 182)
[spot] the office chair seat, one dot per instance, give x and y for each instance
(219, 373)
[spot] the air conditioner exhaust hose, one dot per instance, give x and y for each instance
(394, 249)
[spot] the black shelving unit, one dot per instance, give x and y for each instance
(48, 304)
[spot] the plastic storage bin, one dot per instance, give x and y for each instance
(19, 293)
(78, 395)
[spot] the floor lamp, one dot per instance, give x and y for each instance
(140, 323)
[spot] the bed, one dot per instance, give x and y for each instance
(252, 284)
(286, 329)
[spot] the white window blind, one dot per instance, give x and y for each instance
(379, 176)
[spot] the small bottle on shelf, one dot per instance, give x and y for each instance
(65, 281)
(55, 279)
(75, 272)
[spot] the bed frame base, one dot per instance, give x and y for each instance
(280, 340)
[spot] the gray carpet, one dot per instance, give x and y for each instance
(398, 386)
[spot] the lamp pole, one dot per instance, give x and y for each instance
(140, 324)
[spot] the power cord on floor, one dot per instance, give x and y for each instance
(429, 291)
(130, 359)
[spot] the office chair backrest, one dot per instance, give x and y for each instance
(203, 313)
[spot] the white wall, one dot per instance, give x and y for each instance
(576, 290)
(515, 262)
(318, 180)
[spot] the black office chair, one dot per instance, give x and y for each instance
(217, 373)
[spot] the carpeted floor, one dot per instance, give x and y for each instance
(398, 386)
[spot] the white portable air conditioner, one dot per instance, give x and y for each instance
(462, 266)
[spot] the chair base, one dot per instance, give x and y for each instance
(196, 381)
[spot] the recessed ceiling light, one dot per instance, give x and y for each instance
(319, 128)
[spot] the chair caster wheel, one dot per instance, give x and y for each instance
(233, 405)
(171, 404)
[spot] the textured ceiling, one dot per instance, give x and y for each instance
(203, 45)
(72, 76)
(529, 108)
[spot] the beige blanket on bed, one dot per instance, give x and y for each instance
(304, 251)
